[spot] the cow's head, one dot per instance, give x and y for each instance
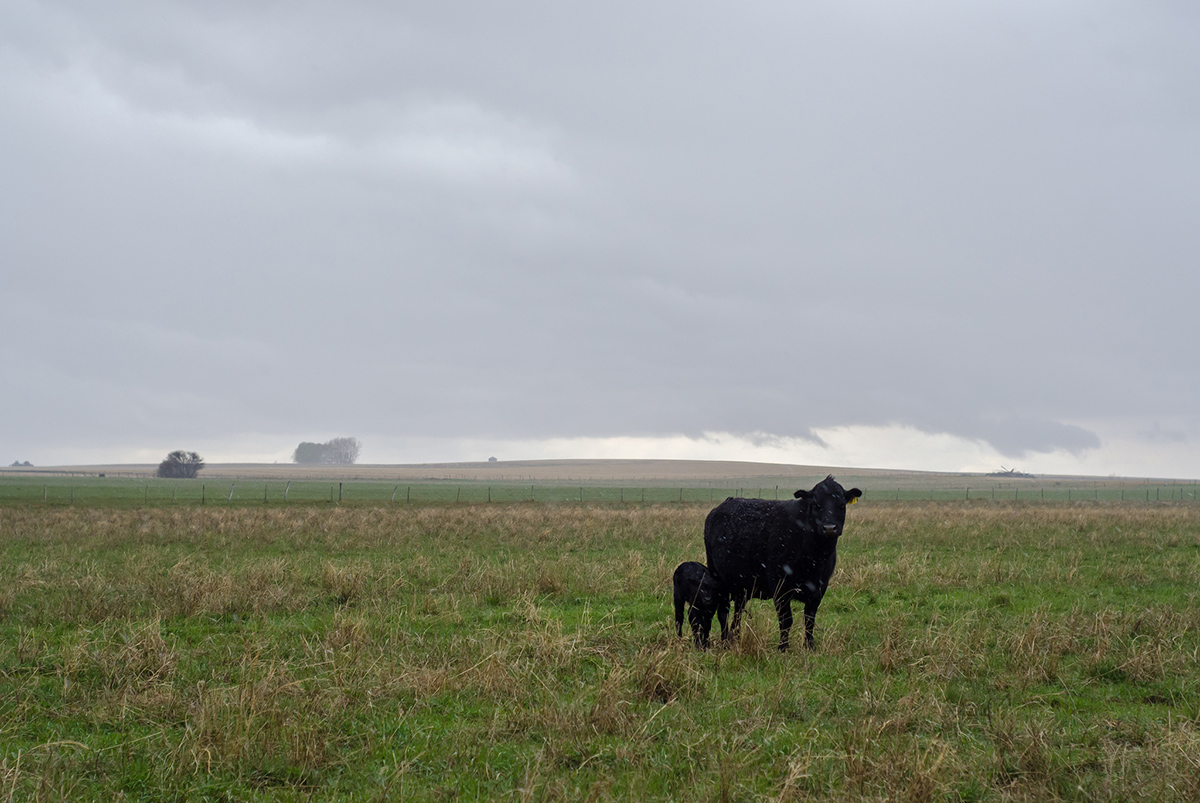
(827, 505)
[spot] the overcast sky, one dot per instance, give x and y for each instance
(936, 235)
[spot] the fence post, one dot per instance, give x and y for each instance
(286, 488)
(394, 493)
(408, 495)
(231, 487)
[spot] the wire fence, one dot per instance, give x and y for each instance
(160, 492)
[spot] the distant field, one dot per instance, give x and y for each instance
(966, 651)
(545, 471)
(696, 472)
(627, 481)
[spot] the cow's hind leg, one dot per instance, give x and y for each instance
(679, 615)
(783, 607)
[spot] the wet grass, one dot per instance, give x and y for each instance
(965, 651)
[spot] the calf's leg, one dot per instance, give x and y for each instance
(701, 621)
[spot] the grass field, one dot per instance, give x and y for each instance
(523, 651)
(688, 482)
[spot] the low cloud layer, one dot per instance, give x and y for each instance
(530, 222)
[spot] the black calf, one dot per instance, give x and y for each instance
(694, 586)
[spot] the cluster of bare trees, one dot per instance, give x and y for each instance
(181, 465)
(338, 450)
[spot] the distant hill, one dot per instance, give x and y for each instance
(696, 473)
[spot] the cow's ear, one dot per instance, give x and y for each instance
(802, 494)
(852, 496)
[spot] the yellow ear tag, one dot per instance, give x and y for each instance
(854, 501)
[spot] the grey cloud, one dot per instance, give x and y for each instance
(1157, 434)
(539, 221)
(1017, 437)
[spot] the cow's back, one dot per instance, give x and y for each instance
(740, 537)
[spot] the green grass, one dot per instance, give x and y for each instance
(965, 651)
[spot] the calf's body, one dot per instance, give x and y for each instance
(696, 589)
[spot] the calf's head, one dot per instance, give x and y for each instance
(827, 505)
(707, 593)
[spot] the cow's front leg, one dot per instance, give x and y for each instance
(783, 607)
(810, 622)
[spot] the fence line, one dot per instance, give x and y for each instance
(157, 493)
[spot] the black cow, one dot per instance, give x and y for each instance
(695, 586)
(760, 549)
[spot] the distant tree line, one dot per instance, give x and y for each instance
(338, 450)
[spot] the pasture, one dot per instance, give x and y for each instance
(585, 481)
(966, 651)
